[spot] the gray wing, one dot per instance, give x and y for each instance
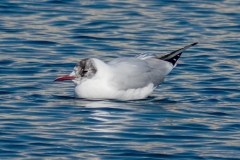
(144, 69)
(132, 73)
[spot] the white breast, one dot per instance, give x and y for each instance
(93, 89)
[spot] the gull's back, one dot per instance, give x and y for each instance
(139, 72)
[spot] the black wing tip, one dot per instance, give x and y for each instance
(174, 59)
(194, 43)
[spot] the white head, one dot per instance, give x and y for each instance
(85, 69)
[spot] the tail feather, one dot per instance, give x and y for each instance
(175, 55)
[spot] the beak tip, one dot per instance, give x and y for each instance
(63, 78)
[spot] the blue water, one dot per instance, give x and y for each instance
(195, 114)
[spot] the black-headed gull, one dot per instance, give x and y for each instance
(122, 78)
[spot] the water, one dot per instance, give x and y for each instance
(193, 115)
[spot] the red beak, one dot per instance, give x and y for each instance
(63, 78)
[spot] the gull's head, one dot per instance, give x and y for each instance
(85, 69)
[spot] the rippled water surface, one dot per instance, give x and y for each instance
(195, 114)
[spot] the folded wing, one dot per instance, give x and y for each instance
(133, 73)
(145, 69)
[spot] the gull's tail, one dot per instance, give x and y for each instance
(175, 55)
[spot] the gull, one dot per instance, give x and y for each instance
(122, 78)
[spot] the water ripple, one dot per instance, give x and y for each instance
(193, 115)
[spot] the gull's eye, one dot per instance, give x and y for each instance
(83, 72)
